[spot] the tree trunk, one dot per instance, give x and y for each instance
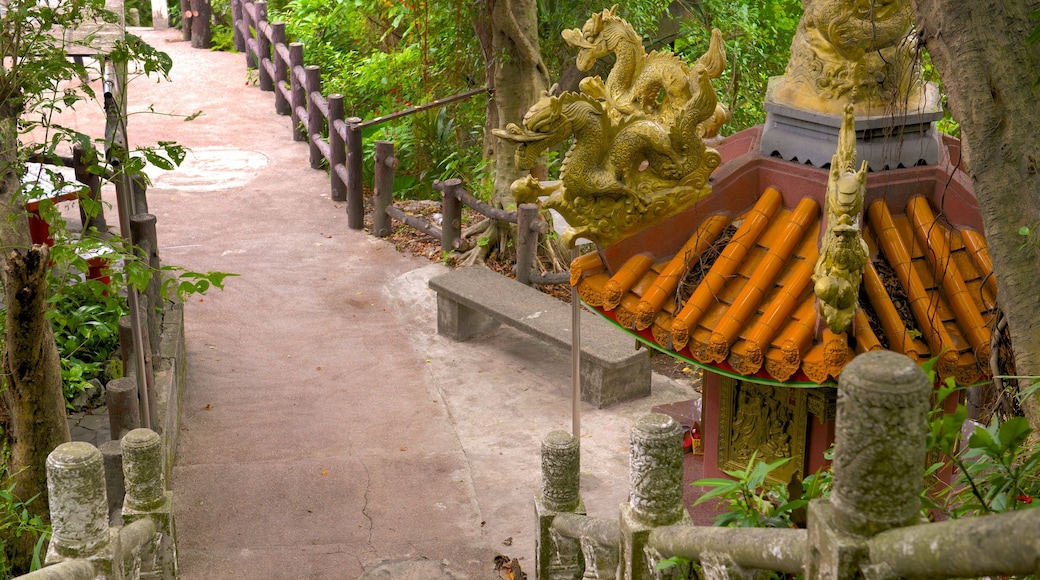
(989, 73)
(33, 401)
(520, 77)
(201, 32)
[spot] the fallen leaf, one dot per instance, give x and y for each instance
(324, 473)
(209, 407)
(319, 368)
(404, 449)
(508, 541)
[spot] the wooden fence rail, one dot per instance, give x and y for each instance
(297, 93)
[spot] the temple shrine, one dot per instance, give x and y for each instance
(771, 257)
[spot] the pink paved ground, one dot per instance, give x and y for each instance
(326, 427)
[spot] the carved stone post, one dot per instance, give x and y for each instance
(879, 461)
(655, 477)
(79, 509)
(556, 557)
(146, 496)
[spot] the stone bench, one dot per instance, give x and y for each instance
(474, 300)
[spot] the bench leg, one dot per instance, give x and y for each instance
(602, 386)
(461, 323)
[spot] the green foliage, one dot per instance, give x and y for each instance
(16, 521)
(752, 500)
(757, 36)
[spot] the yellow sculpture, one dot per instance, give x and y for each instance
(638, 154)
(859, 51)
(843, 253)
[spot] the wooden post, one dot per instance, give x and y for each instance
(249, 26)
(451, 216)
(526, 241)
(263, 47)
(139, 194)
(297, 91)
(96, 215)
(355, 200)
(123, 413)
(236, 21)
(201, 32)
(315, 121)
(384, 194)
(337, 149)
(281, 69)
(186, 23)
(142, 227)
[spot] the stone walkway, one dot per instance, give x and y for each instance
(327, 430)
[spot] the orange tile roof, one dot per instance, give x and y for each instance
(737, 295)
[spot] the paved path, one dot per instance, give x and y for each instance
(326, 428)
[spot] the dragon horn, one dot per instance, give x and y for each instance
(714, 59)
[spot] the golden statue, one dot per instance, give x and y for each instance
(859, 51)
(843, 253)
(638, 155)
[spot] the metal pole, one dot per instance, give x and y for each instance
(575, 358)
(115, 135)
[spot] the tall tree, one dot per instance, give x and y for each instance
(990, 73)
(508, 33)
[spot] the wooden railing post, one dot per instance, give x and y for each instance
(263, 47)
(281, 69)
(201, 19)
(557, 557)
(93, 182)
(355, 199)
(526, 241)
(451, 215)
(297, 91)
(142, 228)
(250, 25)
(315, 121)
(186, 23)
(337, 149)
(236, 29)
(386, 163)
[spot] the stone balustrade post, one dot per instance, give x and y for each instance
(557, 557)
(147, 497)
(879, 461)
(656, 491)
(79, 509)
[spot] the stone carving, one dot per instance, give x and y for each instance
(638, 154)
(655, 470)
(861, 52)
(843, 253)
(765, 420)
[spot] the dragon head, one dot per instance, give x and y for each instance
(589, 40)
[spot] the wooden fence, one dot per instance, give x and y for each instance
(335, 141)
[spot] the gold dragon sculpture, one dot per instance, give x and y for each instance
(638, 154)
(858, 51)
(843, 253)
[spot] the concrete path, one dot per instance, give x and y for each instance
(327, 430)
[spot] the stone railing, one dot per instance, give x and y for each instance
(870, 526)
(83, 546)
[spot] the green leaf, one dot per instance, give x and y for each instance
(1013, 433)
(981, 439)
